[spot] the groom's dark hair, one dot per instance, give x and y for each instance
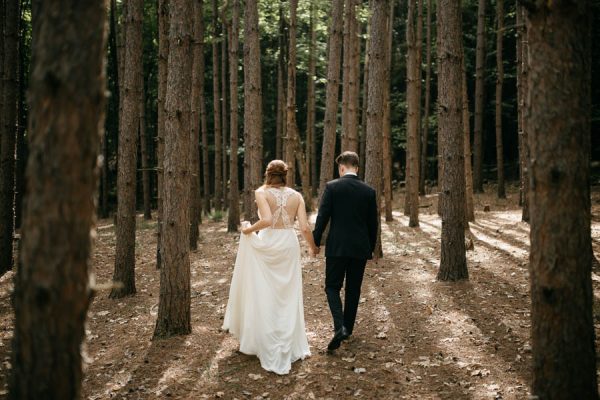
(348, 158)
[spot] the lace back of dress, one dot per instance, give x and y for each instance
(279, 208)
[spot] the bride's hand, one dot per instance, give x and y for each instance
(246, 227)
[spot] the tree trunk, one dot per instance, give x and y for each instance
(206, 192)
(411, 207)
(52, 292)
(252, 107)
(469, 206)
(2, 59)
(121, 55)
(331, 95)
(163, 55)
(197, 85)
(9, 132)
(522, 85)
(124, 273)
(560, 259)
(346, 55)
(217, 111)
(425, 126)
(233, 221)
(419, 50)
(479, 93)
(365, 100)
(295, 154)
(499, 83)
(453, 263)
(351, 79)
(224, 115)
(387, 123)
(144, 149)
(174, 301)
(21, 142)
(311, 152)
(279, 118)
(354, 94)
(377, 61)
(290, 115)
(281, 114)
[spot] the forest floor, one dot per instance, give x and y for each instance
(416, 338)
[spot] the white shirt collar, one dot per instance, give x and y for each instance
(350, 173)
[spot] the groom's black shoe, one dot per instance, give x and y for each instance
(339, 336)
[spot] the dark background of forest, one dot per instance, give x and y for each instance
(269, 15)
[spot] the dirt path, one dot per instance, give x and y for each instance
(416, 338)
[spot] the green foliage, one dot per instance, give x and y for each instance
(217, 216)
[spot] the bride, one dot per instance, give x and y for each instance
(265, 310)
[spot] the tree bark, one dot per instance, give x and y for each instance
(174, 299)
(290, 114)
(2, 59)
(195, 135)
(163, 55)
(469, 206)
(144, 149)
(121, 56)
(346, 55)
(354, 94)
(365, 100)
(206, 192)
(295, 154)
(522, 88)
(559, 126)
(233, 221)
(124, 273)
(52, 291)
(479, 93)
(21, 142)
(9, 132)
(252, 107)
(218, 198)
(499, 83)
(351, 78)
(224, 115)
(387, 123)
(453, 263)
(311, 152)
(331, 95)
(419, 50)
(281, 114)
(425, 125)
(377, 60)
(411, 207)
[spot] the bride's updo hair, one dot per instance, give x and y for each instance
(276, 173)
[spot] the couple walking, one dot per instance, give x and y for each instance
(265, 311)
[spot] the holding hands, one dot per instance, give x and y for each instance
(314, 250)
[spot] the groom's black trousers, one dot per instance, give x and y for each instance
(338, 268)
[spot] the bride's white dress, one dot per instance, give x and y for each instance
(265, 310)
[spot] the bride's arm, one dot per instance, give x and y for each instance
(305, 227)
(265, 214)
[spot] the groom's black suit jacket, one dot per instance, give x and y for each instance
(351, 205)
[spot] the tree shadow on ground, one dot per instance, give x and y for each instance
(465, 298)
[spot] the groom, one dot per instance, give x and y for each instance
(351, 206)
